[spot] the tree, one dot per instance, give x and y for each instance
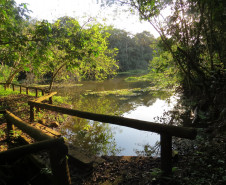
(84, 50)
(194, 34)
(143, 42)
(134, 51)
(11, 37)
(22, 42)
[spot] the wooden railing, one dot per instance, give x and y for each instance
(26, 88)
(166, 131)
(58, 151)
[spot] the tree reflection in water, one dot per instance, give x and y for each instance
(106, 139)
(91, 136)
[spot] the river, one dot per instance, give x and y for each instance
(115, 97)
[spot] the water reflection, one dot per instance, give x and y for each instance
(135, 140)
(92, 137)
(107, 139)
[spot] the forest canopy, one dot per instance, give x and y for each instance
(41, 47)
(88, 51)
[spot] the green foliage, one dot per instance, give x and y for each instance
(6, 92)
(150, 151)
(61, 100)
(194, 36)
(16, 133)
(81, 50)
(2, 133)
(134, 51)
(156, 173)
(162, 70)
(40, 47)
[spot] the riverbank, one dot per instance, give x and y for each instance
(195, 161)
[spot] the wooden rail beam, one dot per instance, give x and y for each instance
(58, 152)
(26, 87)
(36, 92)
(27, 90)
(177, 131)
(48, 96)
(20, 151)
(30, 130)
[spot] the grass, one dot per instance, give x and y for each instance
(7, 92)
(61, 100)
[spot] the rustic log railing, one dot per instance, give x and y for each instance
(26, 88)
(39, 100)
(58, 151)
(166, 131)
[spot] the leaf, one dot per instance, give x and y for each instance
(26, 69)
(5, 14)
(175, 169)
(224, 178)
(220, 161)
(25, 5)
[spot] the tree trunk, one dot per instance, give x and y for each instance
(54, 76)
(12, 76)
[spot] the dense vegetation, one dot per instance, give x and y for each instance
(134, 51)
(39, 49)
(192, 40)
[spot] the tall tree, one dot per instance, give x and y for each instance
(194, 34)
(82, 49)
(22, 42)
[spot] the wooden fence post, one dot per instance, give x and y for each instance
(37, 109)
(13, 87)
(10, 132)
(166, 153)
(59, 164)
(51, 100)
(27, 91)
(32, 113)
(36, 92)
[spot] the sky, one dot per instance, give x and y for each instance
(82, 10)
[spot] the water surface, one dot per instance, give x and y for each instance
(110, 97)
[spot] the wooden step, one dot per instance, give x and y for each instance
(46, 130)
(76, 156)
